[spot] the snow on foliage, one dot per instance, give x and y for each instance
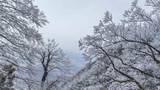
(122, 56)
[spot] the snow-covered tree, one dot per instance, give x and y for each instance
(123, 56)
(51, 69)
(19, 23)
(53, 61)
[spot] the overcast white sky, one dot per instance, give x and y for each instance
(70, 20)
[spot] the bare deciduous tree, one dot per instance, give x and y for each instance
(53, 61)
